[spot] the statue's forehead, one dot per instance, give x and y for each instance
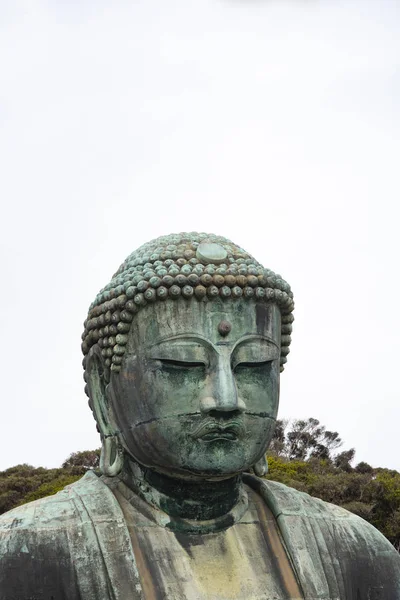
(162, 320)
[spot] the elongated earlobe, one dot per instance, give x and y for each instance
(261, 467)
(112, 455)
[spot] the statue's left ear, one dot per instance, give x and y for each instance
(111, 459)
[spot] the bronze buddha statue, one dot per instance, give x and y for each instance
(182, 355)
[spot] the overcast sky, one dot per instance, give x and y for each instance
(275, 124)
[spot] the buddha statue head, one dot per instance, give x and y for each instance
(183, 351)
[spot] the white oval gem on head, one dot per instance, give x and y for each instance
(211, 253)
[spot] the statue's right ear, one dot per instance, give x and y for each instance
(97, 381)
(112, 455)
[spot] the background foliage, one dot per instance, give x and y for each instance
(303, 455)
(24, 483)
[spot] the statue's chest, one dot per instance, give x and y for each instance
(246, 562)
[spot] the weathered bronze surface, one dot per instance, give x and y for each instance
(182, 355)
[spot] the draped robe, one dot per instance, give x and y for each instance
(79, 545)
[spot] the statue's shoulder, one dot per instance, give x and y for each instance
(46, 525)
(289, 502)
(54, 542)
(332, 549)
(59, 510)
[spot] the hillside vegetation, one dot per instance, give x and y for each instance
(24, 483)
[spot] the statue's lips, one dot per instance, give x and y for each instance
(219, 435)
(209, 430)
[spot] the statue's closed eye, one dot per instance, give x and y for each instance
(252, 365)
(180, 364)
(254, 354)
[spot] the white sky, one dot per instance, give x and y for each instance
(273, 123)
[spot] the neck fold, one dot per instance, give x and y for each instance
(192, 506)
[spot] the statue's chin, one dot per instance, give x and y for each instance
(197, 476)
(200, 460)
(188, 473)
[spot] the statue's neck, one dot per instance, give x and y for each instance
(187, 501)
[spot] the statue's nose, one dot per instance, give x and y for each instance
(222, 393)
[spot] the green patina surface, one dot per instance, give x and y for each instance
(183, 351)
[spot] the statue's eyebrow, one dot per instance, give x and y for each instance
(195, 337)
(191, 337)
(255, 337)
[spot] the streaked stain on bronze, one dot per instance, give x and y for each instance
(276, 549)
(146, 577)
(247, 561)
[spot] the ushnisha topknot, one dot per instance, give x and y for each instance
(198, 266)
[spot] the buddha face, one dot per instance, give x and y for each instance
(197, 393)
